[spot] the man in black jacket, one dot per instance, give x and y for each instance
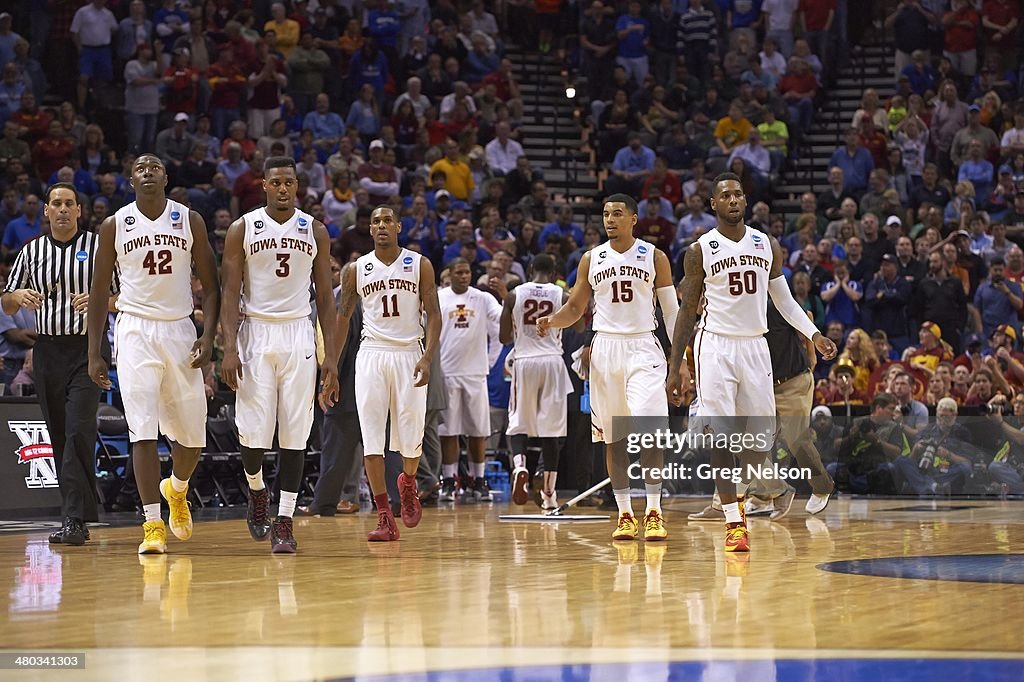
(941, 299)
(886, 303)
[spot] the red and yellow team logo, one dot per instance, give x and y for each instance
(461, 315)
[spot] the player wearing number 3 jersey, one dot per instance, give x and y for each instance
(392, 366)
(735, 268)
(626, 277)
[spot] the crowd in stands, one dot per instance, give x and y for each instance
(908, 254)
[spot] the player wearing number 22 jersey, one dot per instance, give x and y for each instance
(396, 287)
(626, 277)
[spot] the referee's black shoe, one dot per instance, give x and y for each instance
(73, 532)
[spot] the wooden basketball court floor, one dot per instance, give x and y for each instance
(879, 589)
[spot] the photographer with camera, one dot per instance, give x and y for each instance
(933, 467)
(1008, 463)
(868, 450)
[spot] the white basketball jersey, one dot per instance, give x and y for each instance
(278, 266)
(623, 285)
(154, 262)
(391, 298)
(469, 330)
(736, 283)
(533, 301)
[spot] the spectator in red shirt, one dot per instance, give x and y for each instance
(654, 228)
(237, 133)
(875, 142)
(817, 17)
(33, 121)
(961, 40)
(268, 77)
(227, 83)
(660, 177)
(248, 192)
(181, 84)
(52, 152)
(378, 177)
(1001, 19)
(798, 87)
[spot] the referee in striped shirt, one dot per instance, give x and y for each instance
(52, 276)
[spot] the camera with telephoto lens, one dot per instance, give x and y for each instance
(928, 456)
(992, 408)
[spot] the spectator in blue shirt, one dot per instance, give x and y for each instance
(632, 164)
(327, 126)
(997, 299)
(369, 66)
(744, 14)
(978, 171)
(633, 31)
(920, 73)
(25, 227)
(562, 227)
(842, 296)
(856, 163)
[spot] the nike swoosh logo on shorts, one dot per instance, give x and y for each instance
(309, 356)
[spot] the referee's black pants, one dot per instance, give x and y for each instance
(69, 400)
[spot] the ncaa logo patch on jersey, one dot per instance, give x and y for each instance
(758, 242)
(642, 248)
(407, 264)
(175, 215)
(82, 256)
(175, 220)
(303, 229)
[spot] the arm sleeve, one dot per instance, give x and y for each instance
(789, 308)
(669, 307)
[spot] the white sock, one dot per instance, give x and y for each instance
(450, 470)
(152, 511)
(286, 507)
(179, 485)
(519, 461)
(622, 500)
(255, 480)
(732, 512)
(477, 469)
(653, 497)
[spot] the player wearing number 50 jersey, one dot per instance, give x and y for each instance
(397, 287)
(735, 268)
(626, 277)
(271, 255)
(154, 243)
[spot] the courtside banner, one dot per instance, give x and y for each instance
(28, 471)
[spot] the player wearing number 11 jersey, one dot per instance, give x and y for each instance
(396, 286)
(627, 364)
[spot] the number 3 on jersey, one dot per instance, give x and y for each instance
(390, 304)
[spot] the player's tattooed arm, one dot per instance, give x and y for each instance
(325, 311)
(231, 272)
(428, 298)
(574, 308)
(347, 306)
(96, 317)
(692, 289)
(205, 264)
(505, 334)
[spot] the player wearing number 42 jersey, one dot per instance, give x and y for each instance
(735, 268)
(271, 255)
(397, 287)
(626, 277)
(154, 243)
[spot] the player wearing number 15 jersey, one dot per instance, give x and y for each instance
(271, 255)
(627, 364)
(735, 268)
(396, 286)
(154, 243)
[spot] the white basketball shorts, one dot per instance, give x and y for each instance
(162, 393)
(384, 385)
(537, 404)
(735, 389)
(469, 407)
(627, 379)
(278, 383)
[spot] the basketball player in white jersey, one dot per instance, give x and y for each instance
(540, 381)
(397, 287)
(626, 276)
(735, 268)
(154, 243)
(470, 321)
(271, 255)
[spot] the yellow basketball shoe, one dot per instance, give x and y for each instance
(627, 529)
(654, 526)
(181, 517)
(737, 538)
(155, 540)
